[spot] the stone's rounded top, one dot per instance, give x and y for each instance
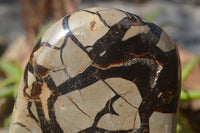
(91, 24)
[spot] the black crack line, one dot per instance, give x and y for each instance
(26, 95)
(78, 107)
(101, 130)
(69, 34)
(61, 57)
(39, 108)
(100, 17)
(102, 20)
(73, 38)
(31, 113)
(81, 97)
(89, 11)
(119, 95)
(30, 97)
(65, 25)
(81, 103)
(108, 108)
(54, 125)
(28, 67)
(57, 69)
(43, 121)
(84, 79)
(126, 13)
(79, 44)
(23, 125)
(65, 70)
(37, 46)
(49, 45)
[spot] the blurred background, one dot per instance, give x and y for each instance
(22, 22)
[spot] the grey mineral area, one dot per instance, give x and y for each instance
(10, 21)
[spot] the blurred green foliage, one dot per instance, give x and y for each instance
(151, 16)
(9, 84)
(187, 95)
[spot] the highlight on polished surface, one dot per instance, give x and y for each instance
(100, 70)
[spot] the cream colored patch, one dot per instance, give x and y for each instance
(31, 125)
(95, 97)
(80, 25)
(48, 57)
(165, 43)
(126, 89)
(45, 94)
(159, 95)
(34, 110)
(28, 90)
(76, 110)
(69, 117)
(102, 53)
(55, 34)
(75, 59)
(162, 122)
(135, 30)
(59, 77)
(112, 16)
(20, 129)
(31, 79)
(128, 117)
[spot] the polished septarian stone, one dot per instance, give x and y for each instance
(100, 70)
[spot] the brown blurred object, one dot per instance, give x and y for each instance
(5, 109)
(139, 1)
(193, 79)
(191, 109)
(35, 13)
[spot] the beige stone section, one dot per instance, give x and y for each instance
(48, 57)
(80, 25)
(31, 125)
(31, 79)
(76, 110)
(45, 94)
(59, 77)
(165, 43)
(128, 117)
(20, 129)
(127, 89)
(162, 122)
(135, 30)
(34, 110)
(75, 59)
(28, 90)
(20, 113)
(95, 97)
(55, 34)
(70, 118)
(112, 16)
